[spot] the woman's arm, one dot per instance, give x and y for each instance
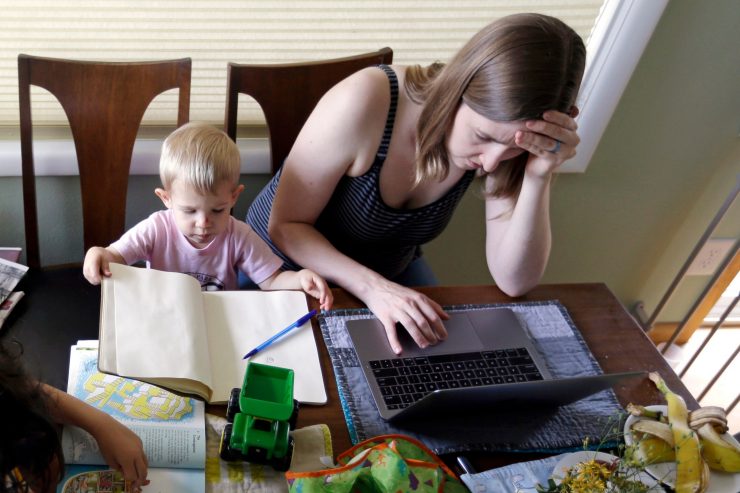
(340, 138)
(120, 447)
(518, 237)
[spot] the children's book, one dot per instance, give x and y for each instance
(171, 427)
(159, 327)
(99, 479)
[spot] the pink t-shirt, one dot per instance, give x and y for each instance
(157, 240)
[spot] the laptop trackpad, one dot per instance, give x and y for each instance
(461, 337)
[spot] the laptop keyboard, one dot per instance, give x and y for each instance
(403, 381)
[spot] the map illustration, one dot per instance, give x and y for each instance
(127, 399)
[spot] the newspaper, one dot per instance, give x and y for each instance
(10, 274)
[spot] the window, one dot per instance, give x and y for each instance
(215, 32)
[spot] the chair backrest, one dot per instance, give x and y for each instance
(104, 103)
(289, 92)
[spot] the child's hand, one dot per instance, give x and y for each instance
(316, 286)
(122, 450)
(97, 261)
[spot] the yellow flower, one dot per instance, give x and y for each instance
(591, 476)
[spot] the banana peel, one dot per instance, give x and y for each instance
(655, 428)
(719, 453)
(692, 473)
(643, 412)
(714, 415)
(652, 450)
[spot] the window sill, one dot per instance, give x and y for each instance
(58, 157)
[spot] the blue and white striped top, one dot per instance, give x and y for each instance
(359, 224)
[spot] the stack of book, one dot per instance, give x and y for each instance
(10, 273)
(171, 428)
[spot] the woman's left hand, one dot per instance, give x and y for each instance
(550, 141)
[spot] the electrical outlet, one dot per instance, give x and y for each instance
(710, 256)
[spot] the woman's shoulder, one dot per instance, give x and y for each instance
(367, 88)
(351, 115)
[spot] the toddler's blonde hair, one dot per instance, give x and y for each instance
(202, 156)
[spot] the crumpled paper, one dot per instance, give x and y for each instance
(313, 451)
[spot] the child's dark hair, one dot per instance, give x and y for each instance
(29, 440)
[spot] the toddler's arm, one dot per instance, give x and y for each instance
(121, 448)
(305, 279)
(96, 263)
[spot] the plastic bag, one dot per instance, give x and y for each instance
(384, 464)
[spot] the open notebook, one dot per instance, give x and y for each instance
(159, 327)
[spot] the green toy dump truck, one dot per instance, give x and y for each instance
(259, 418)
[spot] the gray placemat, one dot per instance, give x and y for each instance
(523, 430)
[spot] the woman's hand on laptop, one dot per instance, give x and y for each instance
(419, 315)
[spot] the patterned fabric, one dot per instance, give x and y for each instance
(386, 464)
(359, 224)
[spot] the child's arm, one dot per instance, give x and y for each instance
(96, 263)
(121, 448)
(305, 279)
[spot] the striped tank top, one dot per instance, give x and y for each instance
(359, 224)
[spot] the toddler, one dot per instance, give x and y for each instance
(196, 234)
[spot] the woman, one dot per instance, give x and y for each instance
(375, 172)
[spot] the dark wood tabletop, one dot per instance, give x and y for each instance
(615, 339)
(60, 308)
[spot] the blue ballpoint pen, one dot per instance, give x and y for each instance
(287, 329)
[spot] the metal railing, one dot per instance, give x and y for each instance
(648, 322)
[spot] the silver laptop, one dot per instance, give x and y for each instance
(487, 359)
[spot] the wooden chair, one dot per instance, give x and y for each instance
(104, 103)
(289, 92)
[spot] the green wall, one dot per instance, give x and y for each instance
(664, 165)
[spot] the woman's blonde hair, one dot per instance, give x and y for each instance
(516, 68)
(201, 155)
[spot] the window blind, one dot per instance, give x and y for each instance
(215, 32)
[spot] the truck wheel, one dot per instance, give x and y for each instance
(224, 450)
(283, 463)
(294, 416)
(233, 405)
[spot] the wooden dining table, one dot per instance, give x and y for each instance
(613, 336)
(60, 308)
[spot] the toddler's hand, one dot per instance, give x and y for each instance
(316, 286)
(97, 262)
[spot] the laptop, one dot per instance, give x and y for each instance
(487, 360)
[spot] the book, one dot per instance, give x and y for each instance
(7, 306)
(159, 327)
(10, 253)
(171, 427)
(10, 274)
(100, 479)
(95, 481)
